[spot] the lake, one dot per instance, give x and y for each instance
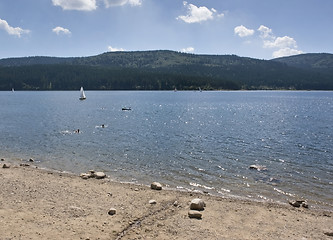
(202, 141)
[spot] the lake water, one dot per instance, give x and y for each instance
(202, 141)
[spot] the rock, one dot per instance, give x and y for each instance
(197, 204)
(99, 175)
(24, 164)
(258, 167)
(305, 205)
(298, 203)
(31, 160)
(156, 186)
(112, 211)
(329, 234)
(93, 174)
(152, 201)
(175, 204)
(194, 214)
(6, 165)
(85, 175)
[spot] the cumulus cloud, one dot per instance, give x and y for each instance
(198, 14)
(187, 50)
(17, 31)
(114, 3)
(286, 46)
(283, 52)
(80, 5)
(281, 42)
(61, 30)
(243, 31)
(265, 32)
(112, 49)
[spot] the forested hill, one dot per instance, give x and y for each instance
(313, 61)
(166, 70)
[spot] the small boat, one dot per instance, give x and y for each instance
(82, 94)
(126, 109)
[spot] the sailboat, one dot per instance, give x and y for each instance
(82, 95)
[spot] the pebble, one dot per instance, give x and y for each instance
(152, 201)
(156, 186)
(329, 234)
(258, 167)
(24, 164)
(195, 214)
(99, 175)
(6, 165)
(197, 204)
(112, 211)
(299, 203)
(85, 175)
(93, 174)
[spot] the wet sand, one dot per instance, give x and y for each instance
(42, 204)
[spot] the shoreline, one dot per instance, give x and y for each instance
(317, 206)
(45, 204)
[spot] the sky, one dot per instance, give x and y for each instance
(262, 29)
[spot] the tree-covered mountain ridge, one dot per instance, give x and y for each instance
(163, 70)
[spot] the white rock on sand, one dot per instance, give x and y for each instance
(197, 204)
(99, 175)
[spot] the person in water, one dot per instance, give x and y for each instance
(103, 126)
(77, 131)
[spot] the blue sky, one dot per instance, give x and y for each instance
(261, 29)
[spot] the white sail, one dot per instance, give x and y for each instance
(82, 94)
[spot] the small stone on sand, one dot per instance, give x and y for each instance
(194, 214)
(99, 175)
(197, 204)
(6, 165)
(152, 201)
(156, 186)
(112, 211)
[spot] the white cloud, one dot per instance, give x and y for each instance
(11, 30)
(80, 5)
(281, 42)
(113, 3)
(112, 49)
(265, 32)
(61, 30)
(286, 46)
(198, 14)
(243, 31)
(284, 52)
(187, 50)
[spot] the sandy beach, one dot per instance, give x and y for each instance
(41, 204)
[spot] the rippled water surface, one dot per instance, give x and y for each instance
(188, 140)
